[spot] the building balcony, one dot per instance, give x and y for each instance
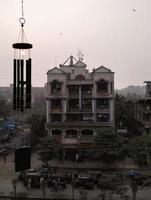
(69, 141)
(86, 96)
(58, 96)
(102, 110)
(75, 110)
(80, 82)
(105, 95)
(73, 96)
(77, 124)
(56, 110)
(86, 138)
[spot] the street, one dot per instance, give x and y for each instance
(7, 173)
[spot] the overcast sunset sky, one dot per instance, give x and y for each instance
(112, 33)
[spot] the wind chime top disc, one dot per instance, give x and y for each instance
(22, 46)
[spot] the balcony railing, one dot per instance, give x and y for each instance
(79, 109)
(56, 110)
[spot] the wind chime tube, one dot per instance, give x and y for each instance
(18, 84)
(22, 86)
(14, 86)
(28, 83)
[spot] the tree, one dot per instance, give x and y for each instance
(46, 149)
(110, 146)
(37, 123)
(122, 192)
(5, 108)
(39, 105)
(125, 114)
(140, 149)
(109, 184)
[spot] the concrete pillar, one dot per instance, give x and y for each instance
(109, 87)
(94, 109)
(64, 109)
(50, 132)
(48, 109)
(111, 103)
(63, 133)
(80, 97)
(94, 132)
(79, 134)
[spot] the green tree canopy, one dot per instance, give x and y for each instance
(125, 114)
(5, 108)
(140, 149)
(109, 185)
(111, 147)
(37, 123)
(46, 150)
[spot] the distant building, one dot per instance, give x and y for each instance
(5, 92)
(37, 93)
(143, 108)
(78, 103)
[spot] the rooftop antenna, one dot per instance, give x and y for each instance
(22, 68)
(80, 55)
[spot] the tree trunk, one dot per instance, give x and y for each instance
(134, 195)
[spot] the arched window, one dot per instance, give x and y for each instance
(80, 77)
(56, 133)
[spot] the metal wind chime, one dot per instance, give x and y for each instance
(22, 70)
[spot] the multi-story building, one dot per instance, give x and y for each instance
(78, 103)
(143, 108)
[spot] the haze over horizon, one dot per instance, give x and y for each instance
(115, 34)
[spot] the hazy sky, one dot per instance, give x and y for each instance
(109, 33)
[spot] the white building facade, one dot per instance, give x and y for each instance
(78, 102)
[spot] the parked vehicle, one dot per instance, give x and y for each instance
(32, 175)
(35, 180)
(84, 181)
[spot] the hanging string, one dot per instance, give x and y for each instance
(22, 21)
(22, 8)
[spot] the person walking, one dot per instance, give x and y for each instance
(43, 186)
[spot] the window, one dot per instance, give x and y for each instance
(73, 90)
(103, 117)
(102, 86)
(102, 103)
(86, 90)
(86, 103)
(55, 87)
(73, 103)
(56, 104)
(87, 117)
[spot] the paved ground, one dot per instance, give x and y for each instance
(7, 173)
